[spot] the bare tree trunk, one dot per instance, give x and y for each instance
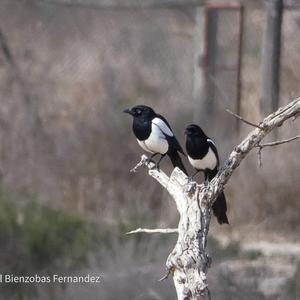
(189, 261)
(271, 56)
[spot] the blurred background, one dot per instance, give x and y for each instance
(68, 68)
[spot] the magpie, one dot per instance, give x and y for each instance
(203, 156)
(155, 135)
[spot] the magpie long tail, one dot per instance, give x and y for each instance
(177, 162)
(219, 209)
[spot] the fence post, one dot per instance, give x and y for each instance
(271, 56)
(199, 81)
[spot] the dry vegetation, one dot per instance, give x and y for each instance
(65, 143)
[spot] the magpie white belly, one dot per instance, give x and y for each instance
(209, 161)
(144, 146)
(154, 144)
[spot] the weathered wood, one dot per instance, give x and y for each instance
(189, 261)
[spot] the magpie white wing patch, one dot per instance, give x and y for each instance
(211, 141)
(156, 142)
(162, 126)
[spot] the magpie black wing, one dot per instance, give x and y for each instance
(165, 127)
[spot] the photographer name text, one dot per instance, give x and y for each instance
(55, 278)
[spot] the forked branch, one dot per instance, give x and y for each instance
(189, 260)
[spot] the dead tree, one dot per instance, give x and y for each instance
(189, 261)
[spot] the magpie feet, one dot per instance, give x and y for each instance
(149, 160)
(156, 166)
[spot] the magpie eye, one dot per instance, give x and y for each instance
(138, 111)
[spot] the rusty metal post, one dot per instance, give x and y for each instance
(239, 67)
(271, 49)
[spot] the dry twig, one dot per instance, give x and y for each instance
(279, 142)
(243, 120)
(261, 146)
(156, 230)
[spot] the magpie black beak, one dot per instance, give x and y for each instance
(128, 111)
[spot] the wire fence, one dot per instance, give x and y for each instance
(69, 68)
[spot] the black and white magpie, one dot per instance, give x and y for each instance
(203, 156)
(155, 135)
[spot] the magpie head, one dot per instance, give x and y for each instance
(193, 130)
(141, 111)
